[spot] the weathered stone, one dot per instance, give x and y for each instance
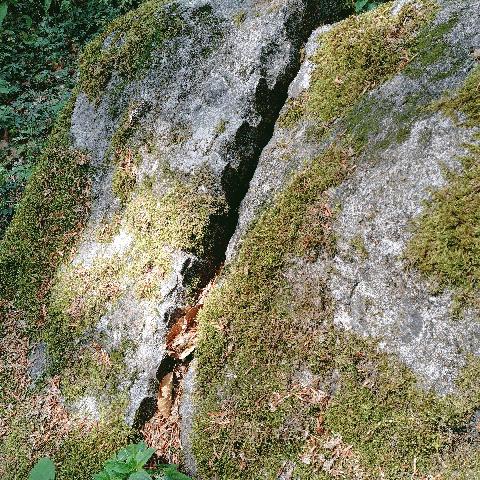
(207, 101)
(376, 295)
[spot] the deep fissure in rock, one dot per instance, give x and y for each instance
(250, 142)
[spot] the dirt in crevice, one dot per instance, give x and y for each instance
(159, 421)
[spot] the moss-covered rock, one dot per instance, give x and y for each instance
(322, 354)
(130, 210)
(446, 240)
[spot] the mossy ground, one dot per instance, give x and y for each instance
(49, 218)
(278, 387)
(446, 241)
(42, 235)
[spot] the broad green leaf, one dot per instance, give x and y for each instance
(144, 456)
(118, 467)
(171, 473)
(101, 476)
(3, 12)
(123, 454)
(360, 4)
(46, 5)
(142, 475)
(44, 469)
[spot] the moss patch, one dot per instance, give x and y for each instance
(77, 449)
(359, 54)
(446, 242)
(96, 372)
(127, 45)
(49, 218)
(465, 101)
(430, 47)
(82, 455)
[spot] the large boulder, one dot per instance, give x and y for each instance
(343, 338)
(128, 214)
(310, 207)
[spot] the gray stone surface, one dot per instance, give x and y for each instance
(208, 100)
(187, 412)
(37, 362)
(376, 296)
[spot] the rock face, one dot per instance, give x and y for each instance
(399, 146)
(375, 294)
(174, 105)
(203, 110)
(215, 132)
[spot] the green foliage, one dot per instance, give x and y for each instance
(39, 48)
(365, 5)
(3, 12)
(129, 463)
(44, 469)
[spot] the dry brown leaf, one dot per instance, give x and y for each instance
(164, 397)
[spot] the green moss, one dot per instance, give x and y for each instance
(446, 238)
(156, 223)
(221, 127)
(79, 297)
(49, 218)
(359, 54)
(430, 47)
(96, 372)
(123, 154)
(358, 243)
(293, 112)
(78, 448)
(239, 18)
(465, 101)
(81, 454)
(127, 45)
(446, 242)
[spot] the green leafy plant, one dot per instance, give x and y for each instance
(44, 469)
(365, 5)
(129, 464)
(40, 42)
